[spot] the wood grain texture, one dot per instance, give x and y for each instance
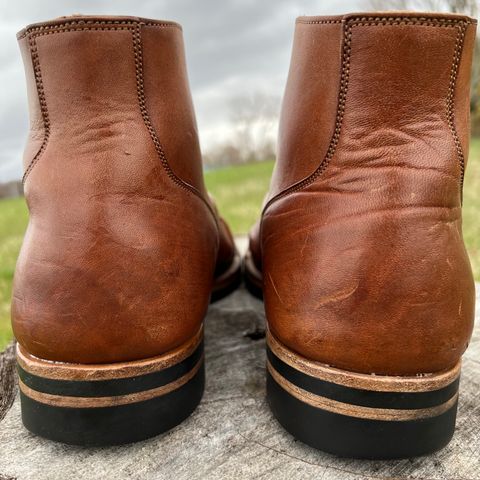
(233, 435)
(8, 379)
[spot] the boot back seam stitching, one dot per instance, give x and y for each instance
(135, 29)
(344, 80)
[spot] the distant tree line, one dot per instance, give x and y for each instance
(253, 126)
(254, 118)
(11, 189)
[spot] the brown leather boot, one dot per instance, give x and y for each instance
(124, 247)
(368, 289)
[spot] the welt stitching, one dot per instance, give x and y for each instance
(450, 104)
(344, 79)
(137, 49)
(43, 105)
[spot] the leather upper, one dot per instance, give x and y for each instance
(363, 260)
(120, 252)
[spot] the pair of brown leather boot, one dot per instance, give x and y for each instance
(359, 254)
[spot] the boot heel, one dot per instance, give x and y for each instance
(358, 415)
(110, 404)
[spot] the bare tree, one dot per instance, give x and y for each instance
(254, 119)
(222, 155)
(467, 7)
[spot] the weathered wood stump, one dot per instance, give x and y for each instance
(233, 434)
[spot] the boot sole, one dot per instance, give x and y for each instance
(358, 415)
(110, 404)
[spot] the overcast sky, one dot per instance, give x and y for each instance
(234, 47)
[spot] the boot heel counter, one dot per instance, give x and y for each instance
(114, 203)
(394, 296)
(116, 292)
(364, 262)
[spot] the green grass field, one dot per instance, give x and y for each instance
(13, 220)
(239, 192)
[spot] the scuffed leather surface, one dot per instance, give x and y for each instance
(365, 267)
(118, 260)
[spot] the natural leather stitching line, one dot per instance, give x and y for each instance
(319, 22)
(87, 23)
(43, 105)
(437, 22)
(32, 36)
(344, 79)
(368, 21)
(451, 101)
(405, 23)
(163, 25)
(137, 49)
(133, 27)
(66, 30)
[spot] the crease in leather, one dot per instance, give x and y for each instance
(135, 28)
(102, 275)
(348, 24)
(397, 250)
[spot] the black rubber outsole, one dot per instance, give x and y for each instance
(343, 427)
(132, 413)
(113, 425)
(350, 437)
